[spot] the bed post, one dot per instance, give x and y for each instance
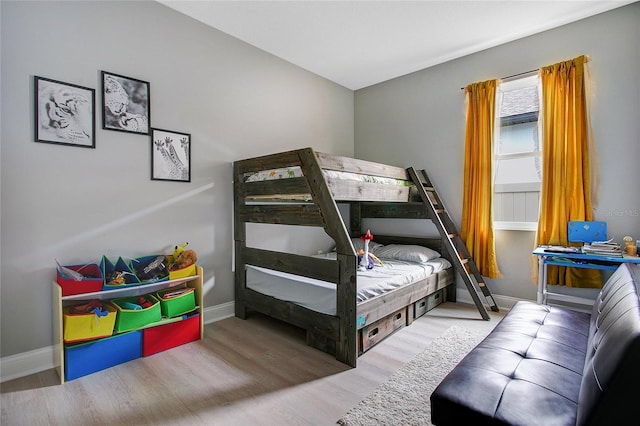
(346, 346)
(240, 239)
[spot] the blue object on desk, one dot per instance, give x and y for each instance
(586, 232)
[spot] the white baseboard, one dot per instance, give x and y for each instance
(503, 302)
(219, 312)
(27, 363)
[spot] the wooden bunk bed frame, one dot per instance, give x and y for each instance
(355, 326)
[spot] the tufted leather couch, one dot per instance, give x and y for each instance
(545, 365)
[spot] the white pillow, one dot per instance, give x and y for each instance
(408, 253)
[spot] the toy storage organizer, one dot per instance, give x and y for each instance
(75, 358)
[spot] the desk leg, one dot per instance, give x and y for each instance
(542, 281)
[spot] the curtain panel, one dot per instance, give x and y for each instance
(477, 204)
(566, 164)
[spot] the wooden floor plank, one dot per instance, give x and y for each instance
(257, 371)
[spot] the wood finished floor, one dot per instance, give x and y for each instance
(253, 372)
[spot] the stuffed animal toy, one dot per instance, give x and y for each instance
(178, 250)
(186, 258)
(183, 258)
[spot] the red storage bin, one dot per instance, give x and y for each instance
(90, 284)
(163, 337)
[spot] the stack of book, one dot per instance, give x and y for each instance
(603, 248)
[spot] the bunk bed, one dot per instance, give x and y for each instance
(304, 187)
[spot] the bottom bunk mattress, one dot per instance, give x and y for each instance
(320, 296)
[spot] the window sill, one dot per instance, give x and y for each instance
(515, 226)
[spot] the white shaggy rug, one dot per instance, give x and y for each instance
(404, 398)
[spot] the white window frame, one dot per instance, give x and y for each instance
(515, 187)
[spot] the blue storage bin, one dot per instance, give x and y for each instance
(150, 269)
(129, 277)
(87, 358)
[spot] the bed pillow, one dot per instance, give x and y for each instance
(408, 253)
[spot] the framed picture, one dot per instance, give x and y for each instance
(64, 113)
(125, 104)
(170, 155)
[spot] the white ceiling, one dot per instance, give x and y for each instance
(360, 43)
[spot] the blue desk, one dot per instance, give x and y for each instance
(574, 260)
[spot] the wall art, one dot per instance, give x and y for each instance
(170, 155)
(64, 113)
(125, 104)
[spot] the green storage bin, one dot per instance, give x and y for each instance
(132, 319)
(179, 304)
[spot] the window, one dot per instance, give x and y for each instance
(518, 155)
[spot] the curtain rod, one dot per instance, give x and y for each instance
(514, 75)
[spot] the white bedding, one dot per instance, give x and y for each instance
(320, 296)
(296, 171)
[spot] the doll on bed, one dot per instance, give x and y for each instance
(366, 259)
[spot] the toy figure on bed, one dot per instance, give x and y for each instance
(367, 260)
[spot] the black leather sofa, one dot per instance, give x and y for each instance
(545, 365)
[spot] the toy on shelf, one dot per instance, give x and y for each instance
(151, 268)
(69, 273)
(95, 306)
(131, 306)
(182, 258)
(117, 277)
(140, 304)
(179, 249)
(175, 293)
(144, 303)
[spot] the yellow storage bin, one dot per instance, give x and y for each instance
(187, 271)
(92, 320)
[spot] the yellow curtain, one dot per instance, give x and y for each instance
(566, 171)
(477, 203)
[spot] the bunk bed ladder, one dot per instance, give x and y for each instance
(461, 258)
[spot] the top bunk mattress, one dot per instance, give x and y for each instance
(296, 171)
(320, 296)
(344, 185)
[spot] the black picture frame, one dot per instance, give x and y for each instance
(126, 104)
(64, 113)
(170, 155)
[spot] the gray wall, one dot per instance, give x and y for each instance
(76, 204)
(419, 120)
